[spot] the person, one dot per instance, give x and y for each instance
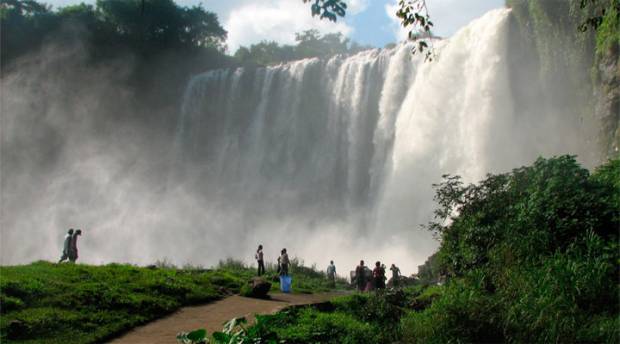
(378, 275)
(331, 273)
(259, 260)
(73, 252)
(360, 276)
(284, 262)
(66, 248)
(395, 273)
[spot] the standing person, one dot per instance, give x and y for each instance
(331, 274)
(259, 260)
(284, 263)
(73, 252)
(66, 248)
(378, 275)
(360, 276)
(395, 274)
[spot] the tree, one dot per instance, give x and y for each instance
(330, 9)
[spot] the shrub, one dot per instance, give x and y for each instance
(313, 326)
(531, 256)
(463, 313)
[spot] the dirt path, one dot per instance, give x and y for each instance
(213, 315)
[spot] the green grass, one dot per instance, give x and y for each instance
(529, 256)
(354, 318)
(306, 280)
(73, 303)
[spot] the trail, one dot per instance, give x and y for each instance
(212, 316)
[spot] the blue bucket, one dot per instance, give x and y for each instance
(285, 284)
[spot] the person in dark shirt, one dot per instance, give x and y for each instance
(73, 253)
(378, 275)
(360, 276)
(395, 274)
(66, 247)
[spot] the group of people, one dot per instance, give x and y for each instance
(70, 249)
(367, 280)
(283, 261)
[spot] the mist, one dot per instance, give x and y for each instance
(331, 158)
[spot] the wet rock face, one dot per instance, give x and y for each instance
(608, 102)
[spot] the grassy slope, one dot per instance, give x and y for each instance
(82, 304)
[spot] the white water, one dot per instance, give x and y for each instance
(336, 158)
(332, 159)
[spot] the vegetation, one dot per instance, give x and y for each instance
(111, 28)
(60, 303)
(330, 9)
(531, 257)
(309, 44)
(531, 254)
(430, 272)
(306, 280)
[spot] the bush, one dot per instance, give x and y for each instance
(553, 300)
(463, 313)
(531, 256)
(313, 326)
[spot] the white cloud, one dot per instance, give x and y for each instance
(356, 6)
(400, 33)
(278, 20)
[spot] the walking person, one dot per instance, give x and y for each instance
(331, 274)
(73, 252)
(259, 260)
(360, 276)
(66, 248)
(378, 275)
(395, 275)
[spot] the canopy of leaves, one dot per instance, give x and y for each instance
(310, 43)
(145, 28)
(532, 255)
(330, 9)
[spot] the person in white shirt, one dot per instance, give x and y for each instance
(260, 260)
(331, 273)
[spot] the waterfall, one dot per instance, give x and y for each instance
(341, 153)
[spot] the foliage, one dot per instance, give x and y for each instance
(199, 336)
(414, 14)
(430, 272)
(52, 303)
(532, 256)
(309, 44)
(330, 9)
(112, 25)
(608, 28)
(60, 303)
(305, 279)
(463, 314)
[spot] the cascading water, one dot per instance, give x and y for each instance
(340, 154)
(332, 159)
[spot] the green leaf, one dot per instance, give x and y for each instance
(221, 337)
(197, 335)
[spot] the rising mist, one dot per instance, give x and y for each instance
(331, 158)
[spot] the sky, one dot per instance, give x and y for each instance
(369, 22)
